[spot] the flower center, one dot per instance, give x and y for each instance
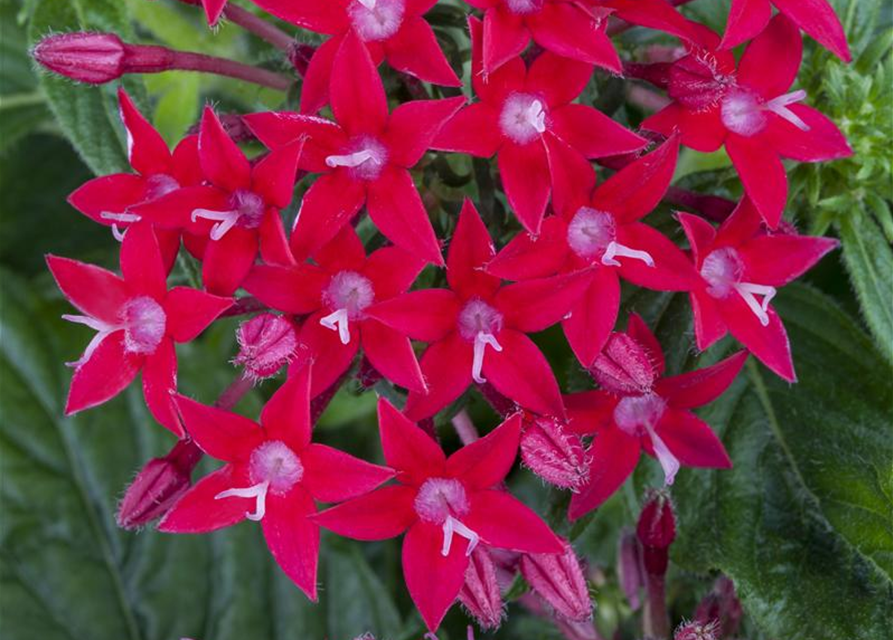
(524, 7)
(523, 118)
(696, 83)
(745, 113)
(638, 416)
(246, 210)
(443, 501)
(376, 19)
(723, 271)
(348, 293)
(144, 322)
(364, 158)
(480, 323)
(592, 233)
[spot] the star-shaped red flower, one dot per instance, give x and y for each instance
(740, 267)
(477, 328)
(749, 112)
(527, 118)
(273, 474)
(637, 409)
(446, 506)
(392, 30)
(336, 292)
(137, 320)
(600, 227)
(364, 158)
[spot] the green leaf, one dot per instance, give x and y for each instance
(803, 523)
(869, 261)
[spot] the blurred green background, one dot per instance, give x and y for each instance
(803, 523)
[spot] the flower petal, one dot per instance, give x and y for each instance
(146, 149)
(473, 130)
(279, 128)
(160, 384)
(391, 353)
(413, 126)
(222, 161)
(492, 86)
(568, 30)
(382, 514)
(762, 174)
(613, 457)
(771, 61)
(330, 357)
(221, 434)
(639, 331)
(173, 210)
(573, 177)
(315, 89)
(321, 16)
(504, 37)
(274, 176)
(817, 18)
(106, 374)
(590, 412)
(428, 315)
(199, 512)
(702, 131)
(228, 261)
(345, 252)
(286, 416)
(407, 448)
(592, 133)
(296, 289)
(141, 262)
(558, 79)
(593, 316)
(414, 51)
(487, 461)
(747, 18)
(692, 440)
(293, 538)
(328, 205)
(527, 256)
(505, 522)
(672, 270)
(535, 305)
(392, 271)
(527, 181)
(95, 291)
(702, 386)
(709, 323)
(331, 475)
(822, 142)
(446, 368)
(471, 248)
(769, 344)
(780, 259)
(108, 194)
(357, 95)
(700, 234)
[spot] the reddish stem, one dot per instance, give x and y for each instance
(465, 428)
(656, 623)
(246, 304)
(233, 393)
(256, 25)
(502, 405)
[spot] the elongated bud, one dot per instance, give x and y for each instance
(553, 452)
(624, 366)
(86, 57)
(629, 568)
(721, 605)
(697, 631)
(266, 342)
(559, 580)
(481, 595)
(656, 531)
(158, 486)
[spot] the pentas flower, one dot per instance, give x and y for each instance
(273, 474)
(749, 112)
(237, 214)
(108, 199)
(392, 30)
(336, 293)
(137, 321)
(476, 328)
(526, 117)
(636, 408)
(446, 506)
(740, 267)
(364, 158)
(600, 228)
(748, 18)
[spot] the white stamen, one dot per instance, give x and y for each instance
(117, 233)
(369, 4)
(615, 249)
(668, 462)
(338, 321)
(536, 116)
(779, 106)
(226, 221)
(258, 492)
(749, 291)
(351, 159)
(481, 341)
(119, 217)
(103, 330)
(453, 526)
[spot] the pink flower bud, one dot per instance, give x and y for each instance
(697, 631)
(558, 579)
(86, 57)
(656, 531)
(624, 366)
(481, 595)
(553, 452)
(158, 486)
(629, 568)
(266, 342)
(721, 605)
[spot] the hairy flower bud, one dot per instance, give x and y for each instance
(629, 568)
(559, 580)
(158, 486)
(697, 631)
(624, 366)
(481, 595)
(86, 57)
(656, 531)
(553, 452)
(266, 342)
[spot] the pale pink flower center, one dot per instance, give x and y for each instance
(272, 467)
(638, 416)
(746, 113)
(593, 234)
(376, 19)
(348, 293)
(246, 209)
(523, 117)
(723, 270)
(144, 323)
(365, 158)
(443, 501)
(160, 184)
(480, 323)
(524, 7)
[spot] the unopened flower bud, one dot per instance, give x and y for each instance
(266, 342)
(656, 531)
(629, 568)
(553, 452)
(559, 580)
(481, 595)
(299, 54)
(697, 631)
(158, 486)
(624, 366)
(86, 57)
(721, 605)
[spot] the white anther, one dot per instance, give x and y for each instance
(117, 233)
(481, 341)
(103, 329)
(226, 220)
(668, 462)
(369, 4)
(779, 106)
(750, 291)
(119, 217)
(351, 159)
(615, 249)
(258, 492)
(338, 321)
(536, 116)
(452, 526)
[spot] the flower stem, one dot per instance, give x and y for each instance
(233, 393)
(656, 623)
(465, 428)
(244, 305)
(254, 24)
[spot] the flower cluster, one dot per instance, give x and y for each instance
(320, 296)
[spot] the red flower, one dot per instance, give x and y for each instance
(213, 10)
(748, 18)
(602, 230)
(749, 112)
(364, 159)
(137, 320)
(526, 116)
(638, 409)
(446, 506)
(336, 292)
(108, 199)
(238, 213)
(273, 474)
(477, 327)
(391, 30)
(740, 267)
